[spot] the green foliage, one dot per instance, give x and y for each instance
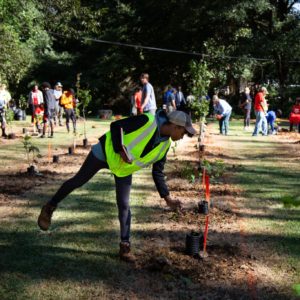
(200, 108)
(290, 201)
(188, 171)
(30, 148)
(40, 40)
(214, 168)
(9, 116)
(84, 97)
(200, 78)
(23, 38)
(23, 102)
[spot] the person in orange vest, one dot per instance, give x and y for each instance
(67, 102)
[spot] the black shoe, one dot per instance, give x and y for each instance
(50, 136)
(44, 220)
(42, 136)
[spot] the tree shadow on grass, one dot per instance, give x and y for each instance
(36, 257)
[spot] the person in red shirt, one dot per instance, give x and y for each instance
(295, 115)
(35, 98)
(261, 108)
(38, 115)
(138, 99)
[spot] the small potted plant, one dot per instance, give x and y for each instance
(85, 98)
(32, 153)
(10, 115)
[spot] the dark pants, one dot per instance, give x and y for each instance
(123, 185)
(70, 114)
(292, 125)
(247, 118)
(224, 123)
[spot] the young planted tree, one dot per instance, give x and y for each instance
(200, 78)
(9, 115)
(85, 98)
(32, 153)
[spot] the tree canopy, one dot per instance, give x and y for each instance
(55, 40)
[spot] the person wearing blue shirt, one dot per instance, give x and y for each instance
(271, 118)
(148, 96)
(223, 110)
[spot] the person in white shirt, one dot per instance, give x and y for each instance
(59, 110)
(5, 97)
(222, 110)
(148, 96)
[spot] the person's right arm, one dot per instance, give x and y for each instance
(129, 125)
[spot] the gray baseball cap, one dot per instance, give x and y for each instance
(180, 118)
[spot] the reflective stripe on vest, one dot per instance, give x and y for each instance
(135, 143)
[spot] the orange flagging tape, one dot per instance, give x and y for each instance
(205, 233)
(207, 190)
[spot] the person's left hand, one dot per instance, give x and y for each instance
(174, 204)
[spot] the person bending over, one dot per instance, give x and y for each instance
(131, 144)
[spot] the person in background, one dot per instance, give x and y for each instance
(136, 101)
(148, 102)
(294, 117)
(261, 107)
(35, 98)
(39, 114)
(222, 110)
(271, 118)
(4, 101)
(179, 99)
(131, 144)
(49, 109)
(57, 92)
(67, 102)
(246, 106)
(171, 105)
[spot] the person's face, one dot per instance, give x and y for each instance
(35, 88)
(178, 133)
(58, 88)
(143, 80)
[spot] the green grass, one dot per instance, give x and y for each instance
(78, 258)
(14, 148)
(270, 179)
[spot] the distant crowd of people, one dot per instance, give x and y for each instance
(46, 106)
(143, 100)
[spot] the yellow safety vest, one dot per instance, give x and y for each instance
(135, 143)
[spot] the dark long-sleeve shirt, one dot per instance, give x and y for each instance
(132, 124)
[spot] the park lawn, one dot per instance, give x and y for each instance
(12, 150)
(78, 257)
(267, 169)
